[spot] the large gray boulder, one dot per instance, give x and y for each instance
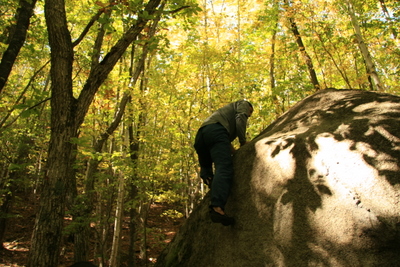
(319, 187)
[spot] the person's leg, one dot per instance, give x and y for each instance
(221, 155)
(204, 156)
(217, 140)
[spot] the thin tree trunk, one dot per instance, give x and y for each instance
(114, 259)
(371, 69)
(134, 144)
(144, 215)
(81, 242)
(272, 59)
(387, 16)
(6, 204)
(133, 193)
(239, 49)
(306, 56)
(275, 98)
(134, 148)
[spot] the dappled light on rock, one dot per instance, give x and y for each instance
(318, 187)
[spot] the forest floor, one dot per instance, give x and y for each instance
(19, 231)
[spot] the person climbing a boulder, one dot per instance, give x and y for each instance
(213, 144)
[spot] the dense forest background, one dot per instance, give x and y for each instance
(135, 115)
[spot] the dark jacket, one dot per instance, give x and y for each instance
(234, 118)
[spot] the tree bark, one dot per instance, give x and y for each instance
(306, 56)
(47, 233)
(16, 39)
(308, 60)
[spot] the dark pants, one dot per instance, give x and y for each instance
(212, 145)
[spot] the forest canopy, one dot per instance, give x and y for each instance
(127, 83)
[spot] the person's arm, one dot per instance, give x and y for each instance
(242, 113)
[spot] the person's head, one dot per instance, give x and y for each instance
(251, 108)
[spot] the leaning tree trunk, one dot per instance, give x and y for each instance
(388, 19)
(306, 56)
(370, 65)
(16, 39)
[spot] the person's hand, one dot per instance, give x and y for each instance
(233, 150)
(244, 143)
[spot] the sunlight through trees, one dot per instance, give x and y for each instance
(111, 91)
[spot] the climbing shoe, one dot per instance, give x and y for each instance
(219, 218)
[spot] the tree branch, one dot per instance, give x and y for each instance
(176, 10)
(88, 26)
(100, 72)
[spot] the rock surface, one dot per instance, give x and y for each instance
(318, 187)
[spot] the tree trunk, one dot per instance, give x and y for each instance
(17, 36)
(388, 18)
(67, 116)
(47, 233)
(306, 56)
(132, 194)
(134, 146)
(278, 106)
(119, 211)
(81, 242)
(144, 215)
(371, 69)
(272, 59)
(134, 149)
